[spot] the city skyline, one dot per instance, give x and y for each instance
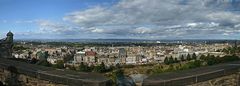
(121, 19)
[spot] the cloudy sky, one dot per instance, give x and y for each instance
(120, 19)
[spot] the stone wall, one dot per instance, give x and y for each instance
(230, 80)
(24, 80)
(19, 73)
(218, 75)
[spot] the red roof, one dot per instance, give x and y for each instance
(90, 53)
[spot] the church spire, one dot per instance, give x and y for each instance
(9, 33)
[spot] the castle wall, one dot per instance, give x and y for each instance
(33, 75)
(217, 75)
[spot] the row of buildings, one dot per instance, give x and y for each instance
(115, 55)
(143, 55)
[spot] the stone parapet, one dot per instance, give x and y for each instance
(39, 76)
(195, 76)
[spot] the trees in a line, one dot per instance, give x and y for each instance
(182, 58)
(194, 56)
(170, 60)
(189, 57)
(59, 65)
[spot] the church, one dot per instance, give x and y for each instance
(6, 46)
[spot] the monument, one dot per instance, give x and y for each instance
(6, 46)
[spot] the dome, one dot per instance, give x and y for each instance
(9, 33)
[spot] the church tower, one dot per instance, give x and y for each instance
(9, 38)
(6, 46)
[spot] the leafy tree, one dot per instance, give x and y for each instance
(44, 63)
(85, 68)
(189, 57)
(218, 50)
(225, 50)
(59, 64)
(46, 55)
(194, 64)
(71, 67)
(119, 73)
(118, 66)
(202, 57)
(33, 61)
(211, 60)
(29, 54)
(115, 75)
(170, 68)
(100, 68)
(171, 60)
(229, 58)
(175, 60)
(194, 56)
(166, 60)
(182, 58)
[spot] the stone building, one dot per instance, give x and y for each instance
(90, 56)
(6, 46)
(86, 57)
(79, 57)
(122, 56)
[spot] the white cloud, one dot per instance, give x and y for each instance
(96, 15)
(25, 21)
(143, 30)
(96, 30)
(153, 18)
(46, 26)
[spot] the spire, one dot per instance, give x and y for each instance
(9, 33)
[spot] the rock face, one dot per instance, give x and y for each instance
(6, 46)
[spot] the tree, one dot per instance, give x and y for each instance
(225, 50)
(175, 60)
(166, 60)
(211, 60)
(59, 64)
(170, 68)
(229, 58)
(100, 68)
(33, 61)
(194, 64)
(171, 60)
(45, 54)
(84, 68)
(202, 57)
(194, 56)
(119, 73)
(189, 57)
(182, 58)
(29, 54)
(44, 63)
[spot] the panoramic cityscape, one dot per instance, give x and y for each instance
(120, 43)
